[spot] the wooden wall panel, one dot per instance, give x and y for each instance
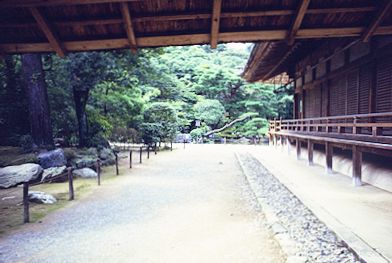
(384, 90)
(365, 82)
(352, 92)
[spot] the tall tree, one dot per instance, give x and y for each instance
(37, 97)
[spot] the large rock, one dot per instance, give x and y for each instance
(85, 173)
(41, 198)
(107, 156)
(85, 158)
(54, 174)
(53, 158)
(17, 174)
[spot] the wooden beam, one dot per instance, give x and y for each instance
(303, 6)
(191, 39)
(255, 60)
(216, 11)
(128, 26)
(188, 16)
(37, 3)
(357, 165)
(280, 62)
(381, 14)
(48, 31)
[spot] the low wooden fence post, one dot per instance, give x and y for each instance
(130, 159)
(310, 152)
(70, 184)
(155, 148)
(184, 144)
(140, 157)
(328, 157)
(117, 172)
(148, 151)
(98, 168)
(171, 146)
(357, 165)
(26, 213)
(298, 146)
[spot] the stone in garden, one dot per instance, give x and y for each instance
(107, 156)
(53, 173)
(41, 198)
(53, 158)
(85, 173)
(17, 174)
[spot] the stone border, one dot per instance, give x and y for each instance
(355, 244)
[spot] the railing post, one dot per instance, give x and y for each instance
(171, 146)
(355, 125)
(140, 154)
(26, 213)
(70, 184)
(148, 151)
(155, 148)
(357, 166)
(310, 152)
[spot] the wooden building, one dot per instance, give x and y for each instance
(342, 90)
(338, 52)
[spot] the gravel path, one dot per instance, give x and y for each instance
(315, 242)
(191, 205)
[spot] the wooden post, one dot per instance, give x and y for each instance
(310, 152)
(155, 148)
(148, 151)
(357, 166)
(288, 144)
(298, 146)
(184, 144)
(26, 215)
(140, 154)
(70, 184)
(130, 159)
(328, 157)
(171, 146)
(98, 168)
(117, 172)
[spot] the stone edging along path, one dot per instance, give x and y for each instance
(301, 235)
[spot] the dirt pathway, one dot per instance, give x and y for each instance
(190, 205)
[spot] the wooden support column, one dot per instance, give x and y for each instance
(48, 31)
(70, 184)
(216, 12)
(328, 157)
(298, 147)
(357, 166)
(310, 152)
(300, 14)
(128, 26)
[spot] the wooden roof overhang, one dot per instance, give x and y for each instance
(271, 58)
(63, 26)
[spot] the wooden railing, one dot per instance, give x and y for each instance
(374, 125)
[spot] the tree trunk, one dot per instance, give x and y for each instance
(80, 98)
(37, 97)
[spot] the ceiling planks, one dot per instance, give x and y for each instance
(37, 3)
(300, 14)
(216, 12)
(48, 31)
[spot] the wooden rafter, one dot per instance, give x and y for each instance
(37, 3)
(190, 39)
(281, 61)
(381, 14)
(114, 21)
(128, 26)
(48, 31)
(300, 14)
(255, 60)
(216, 11)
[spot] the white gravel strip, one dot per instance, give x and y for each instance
(302, 236)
